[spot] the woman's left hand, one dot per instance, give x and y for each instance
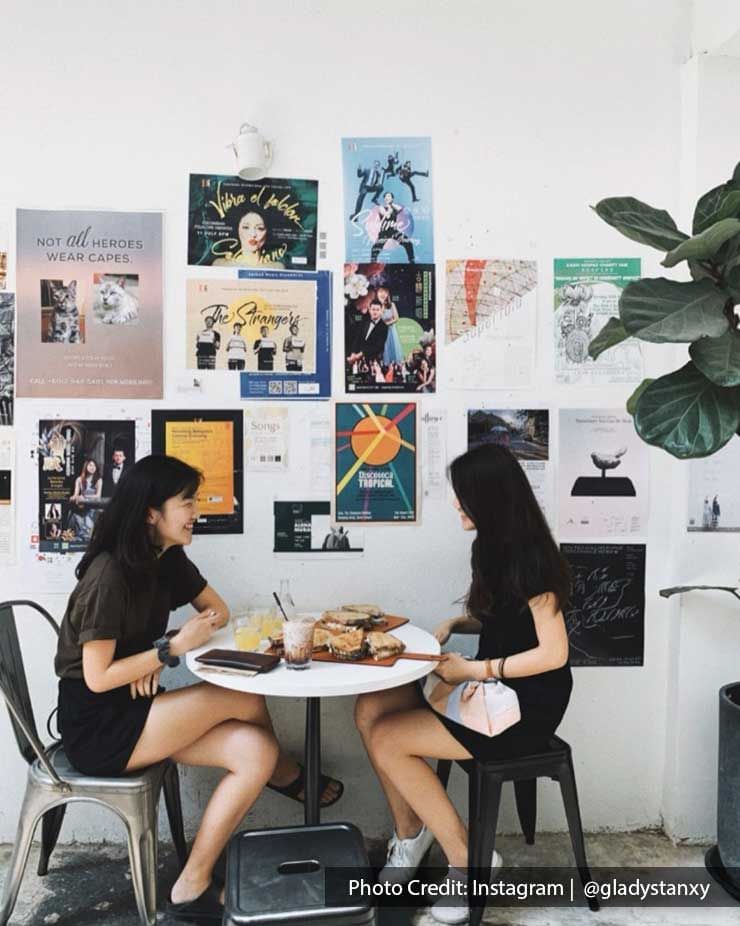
(146, 686)
(454, 669)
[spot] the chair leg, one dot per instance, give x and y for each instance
(525, 792)
(444, 767)
(171, 787)
(51, 824)
(568, 790)
(484, 798)
(30, 814)
(142, 850)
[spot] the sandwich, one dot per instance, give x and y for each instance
(383, 645)
(345, 620)
(321, 640)
(276, 643)
(349, 646)
(372, 609)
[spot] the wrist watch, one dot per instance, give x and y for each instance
(162, 646)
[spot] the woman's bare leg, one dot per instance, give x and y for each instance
(397, 744)
(369, 709)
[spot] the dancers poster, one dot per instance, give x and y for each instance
(212, 442)
(587, 295)
(491, 323)
(388, 200)
(375, 463)
(389, 328)
(605, 617)
(89, 305)
(258, 224)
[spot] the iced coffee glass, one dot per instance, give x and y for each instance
(298, 641)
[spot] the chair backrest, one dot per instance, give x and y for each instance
(13, 683)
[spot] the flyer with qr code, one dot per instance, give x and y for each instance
(266, 429)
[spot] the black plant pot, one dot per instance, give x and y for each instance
(723, 860)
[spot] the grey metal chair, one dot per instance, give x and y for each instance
(53, 783)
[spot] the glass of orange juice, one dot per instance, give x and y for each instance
(247, 629)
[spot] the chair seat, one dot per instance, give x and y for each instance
(146, 779)
(558, 750)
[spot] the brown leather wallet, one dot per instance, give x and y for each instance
(237, 659)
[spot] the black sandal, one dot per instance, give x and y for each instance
(207, 908)
(294, 788)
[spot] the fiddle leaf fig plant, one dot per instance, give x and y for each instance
(695, 410)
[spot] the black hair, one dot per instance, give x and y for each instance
(514, 556)
(269, 245)
(121, 528)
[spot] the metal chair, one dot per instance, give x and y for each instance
(53, 783)
(484, 797)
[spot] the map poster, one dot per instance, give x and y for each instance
(306, 527)
(76, 479)
(603, 475)
(389, 328)
(388, 200)
(89, 304)
(375, 463)
(212, 442)
(524, 431)
(587, 292)
(491, 323)
(714, 491)
(7, 356)
(259, 224)
(606, 614)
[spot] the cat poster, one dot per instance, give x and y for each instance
(265, 224)
(89, 304)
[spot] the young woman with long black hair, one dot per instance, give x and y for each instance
(112, 648)
(520, 584)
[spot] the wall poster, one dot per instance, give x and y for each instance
(606, 614)
(491, 323)
(7, 497)
(7, 356)
(714, 492)
(268, 223)
(76, 461)
(587, 292)
(89, 304)
(375, 462)
(389, 322)
(213, 442)
(388, 200)
(266, 437)
(306, 527)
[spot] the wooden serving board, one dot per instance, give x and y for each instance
(326, 656)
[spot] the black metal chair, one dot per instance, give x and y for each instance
(53, 783)
(484, 798)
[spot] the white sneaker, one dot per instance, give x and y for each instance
(404, 857)
(452, 915)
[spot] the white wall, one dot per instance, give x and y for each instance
(536, 110)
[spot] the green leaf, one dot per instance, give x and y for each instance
(718, 358)
(720, 203)
(611, 334)
(632, 401)
(640, 222)
(736, 174)
(686, 414)
(698, 270)
(705, 245)
(666, 310)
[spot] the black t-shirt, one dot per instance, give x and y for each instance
(103, 607)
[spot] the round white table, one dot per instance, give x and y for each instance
(321, 680)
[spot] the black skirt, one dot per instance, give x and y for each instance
(100, 731)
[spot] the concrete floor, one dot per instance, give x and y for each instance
(90, 885)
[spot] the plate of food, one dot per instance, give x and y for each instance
(365, 616)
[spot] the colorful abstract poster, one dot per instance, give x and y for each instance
(375, 462)
(388, 200)
(268, 223)
(714, 491)
(212, 442)
(89, 304)
(306, 527)
(7, 357)
(389, 328)
(526, 432)
(606, 614)
(587, 292)
(491, 323)
(76, 462)
(603, 475)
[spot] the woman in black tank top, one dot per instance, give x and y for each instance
(520, 583)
